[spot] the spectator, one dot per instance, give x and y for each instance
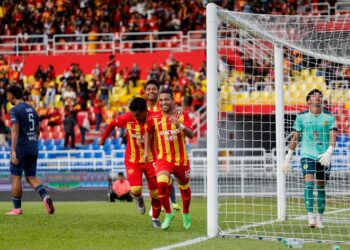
(69, 123)
(4, 131)
(198, 98)
(96, 72)
(84, 124)
(120, 189)
(69, 95)
(98, 105)
(3, 99)
(173, 66)
(110, 72)
(134, 74)
(36, 91)
(50, 93)
(39, 73)
(54, 117)
(104, 92)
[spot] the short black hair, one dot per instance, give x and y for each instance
(154, 82)
(138, 104)
(314, 91)
(121, 174)
(16, 91)
(167, 91)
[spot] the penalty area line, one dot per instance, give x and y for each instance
(183, 244)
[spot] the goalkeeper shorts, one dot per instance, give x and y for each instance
(311, 166)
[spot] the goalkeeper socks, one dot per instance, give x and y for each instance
(321, 199)
(41, 190)
(163, 194)
(185, 191)
(309, 196)
(17, 202)
(156, 208)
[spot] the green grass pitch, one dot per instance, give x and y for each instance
(102, 225)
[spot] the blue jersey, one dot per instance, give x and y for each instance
(28, 120)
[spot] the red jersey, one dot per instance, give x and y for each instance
(156, 108)
(135, 134)
(171, 140)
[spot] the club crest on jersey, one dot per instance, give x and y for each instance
(305, 166)
(131, 171)
(325, 123)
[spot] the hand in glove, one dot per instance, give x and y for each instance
(325, 158)
(286, 166)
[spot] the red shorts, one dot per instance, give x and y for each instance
(134, 173)
(180, 172)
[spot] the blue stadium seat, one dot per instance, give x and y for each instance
(95, 142)
(41, 155)
(343, 138)
(98, 155)
(76, 155)
(59, 142)
(108, 149)
(41, 142)
(50, 147)
(109, 141)
(50, 142)
(87, 155)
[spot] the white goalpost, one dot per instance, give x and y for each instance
(259, 71)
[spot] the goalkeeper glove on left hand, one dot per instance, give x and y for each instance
(325, 158)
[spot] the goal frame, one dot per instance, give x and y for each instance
(212, 124)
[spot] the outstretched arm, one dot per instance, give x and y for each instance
(109, 129)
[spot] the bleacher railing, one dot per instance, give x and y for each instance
(129, 42)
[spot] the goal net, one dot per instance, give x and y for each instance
(313, 53)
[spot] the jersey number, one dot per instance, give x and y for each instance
(31, 122)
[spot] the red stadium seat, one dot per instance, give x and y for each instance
(59, 135)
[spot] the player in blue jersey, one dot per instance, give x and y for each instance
(24, 153)
(316, 129)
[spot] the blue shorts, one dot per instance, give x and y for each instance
(310, 166)
(26, 163)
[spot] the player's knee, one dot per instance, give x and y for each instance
(136, 190)
(154, 193)
(163, 178)
(183, 186)
(29, 179)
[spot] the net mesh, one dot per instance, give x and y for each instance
(316, 56)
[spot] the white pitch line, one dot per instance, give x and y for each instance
(304, 217)
(248, 226)
(184, 244)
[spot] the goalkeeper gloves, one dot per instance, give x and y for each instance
(325, 158)
(286, 166)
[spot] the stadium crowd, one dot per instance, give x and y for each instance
(77, 94)
(37, 17)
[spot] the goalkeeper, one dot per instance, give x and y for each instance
(317, 129)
